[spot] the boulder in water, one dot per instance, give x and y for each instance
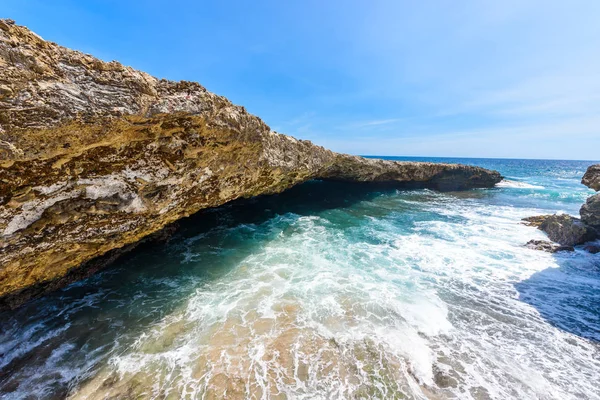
(545, 245)
(592, 248)
(567, 230)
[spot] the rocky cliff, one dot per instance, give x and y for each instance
(96, 156)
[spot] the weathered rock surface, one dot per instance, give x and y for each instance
(545, 245)
(536, 220)
(590, 212)
(567, 230)
(570, 231)
(591, 178)
(563, 229)
(96, 156)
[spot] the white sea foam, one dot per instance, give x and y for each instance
(506, 183)
(317, 314)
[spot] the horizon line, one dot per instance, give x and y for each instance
(481, 158)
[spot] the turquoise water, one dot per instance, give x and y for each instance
(331, 290)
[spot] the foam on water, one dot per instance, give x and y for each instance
(399, 294)
(506, 183)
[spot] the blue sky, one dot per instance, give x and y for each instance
(478, 78)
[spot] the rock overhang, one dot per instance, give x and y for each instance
(96, 156)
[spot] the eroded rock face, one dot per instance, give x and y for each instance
(590, 212)
(567, 230)
(96, 156)
(418, 174)
(591, 178)
(536, 220)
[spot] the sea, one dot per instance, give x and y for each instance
(331, 290)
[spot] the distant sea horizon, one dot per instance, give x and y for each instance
(472, 158)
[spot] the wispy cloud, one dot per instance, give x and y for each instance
(370, 123)
(528, 140)
(551, 95)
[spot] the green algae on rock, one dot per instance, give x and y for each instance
(96, 156)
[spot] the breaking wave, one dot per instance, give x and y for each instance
(505, 183)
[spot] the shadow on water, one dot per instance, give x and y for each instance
(93, 318)
(568, 297)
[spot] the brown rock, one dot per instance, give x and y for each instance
(545, 245)
(535, 221)
(567, 230)
(591, 178)
(590, 211)
(111, 155)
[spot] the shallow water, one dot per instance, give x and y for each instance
(331, 291)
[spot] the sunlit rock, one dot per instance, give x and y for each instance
(591, 178)
(95, 156)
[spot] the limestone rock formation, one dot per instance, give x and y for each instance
(536, 220)
(95, 156)
(567, 230)
(563, 229)
(545, 245)
(591, 178)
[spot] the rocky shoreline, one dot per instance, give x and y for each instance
(96, 156)
(566, 231)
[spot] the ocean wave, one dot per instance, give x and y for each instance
(317, 313)
(505, 183)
